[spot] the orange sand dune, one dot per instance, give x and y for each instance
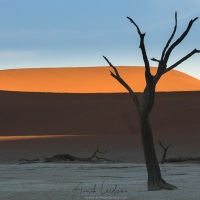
(89, 80)
(34, 137)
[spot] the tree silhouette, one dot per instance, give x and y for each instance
(144, 108)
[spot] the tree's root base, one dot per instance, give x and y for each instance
(168, 186)
(163, 185)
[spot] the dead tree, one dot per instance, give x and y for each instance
(66, 157)
(144, 108)
(165, 149)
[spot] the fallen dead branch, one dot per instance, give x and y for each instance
(65, 157)
(182, 159)
(26, 161)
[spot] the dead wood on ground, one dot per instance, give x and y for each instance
(26, 161)
(68, 157)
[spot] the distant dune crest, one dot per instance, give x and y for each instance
(90, 80)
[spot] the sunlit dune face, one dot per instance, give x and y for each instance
(33, 137)
(90, 80)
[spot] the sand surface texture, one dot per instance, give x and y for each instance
(95, 181)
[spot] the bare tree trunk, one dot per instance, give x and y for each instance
(153, 169)
(155, 181)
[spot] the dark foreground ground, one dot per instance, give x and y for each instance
(107, 121)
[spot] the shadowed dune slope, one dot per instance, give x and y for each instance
(90, 80)
(24, 113)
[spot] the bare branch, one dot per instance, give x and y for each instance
(169, 146)
(179, 40)
(142, 47)
(182, 60)
(101, 158)
(123, 83)
(116, 72)
(156, 60)
(94, 154)
(161, 144)
(170, 39)
(138, 29)
(102, 152)
(165, 149)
